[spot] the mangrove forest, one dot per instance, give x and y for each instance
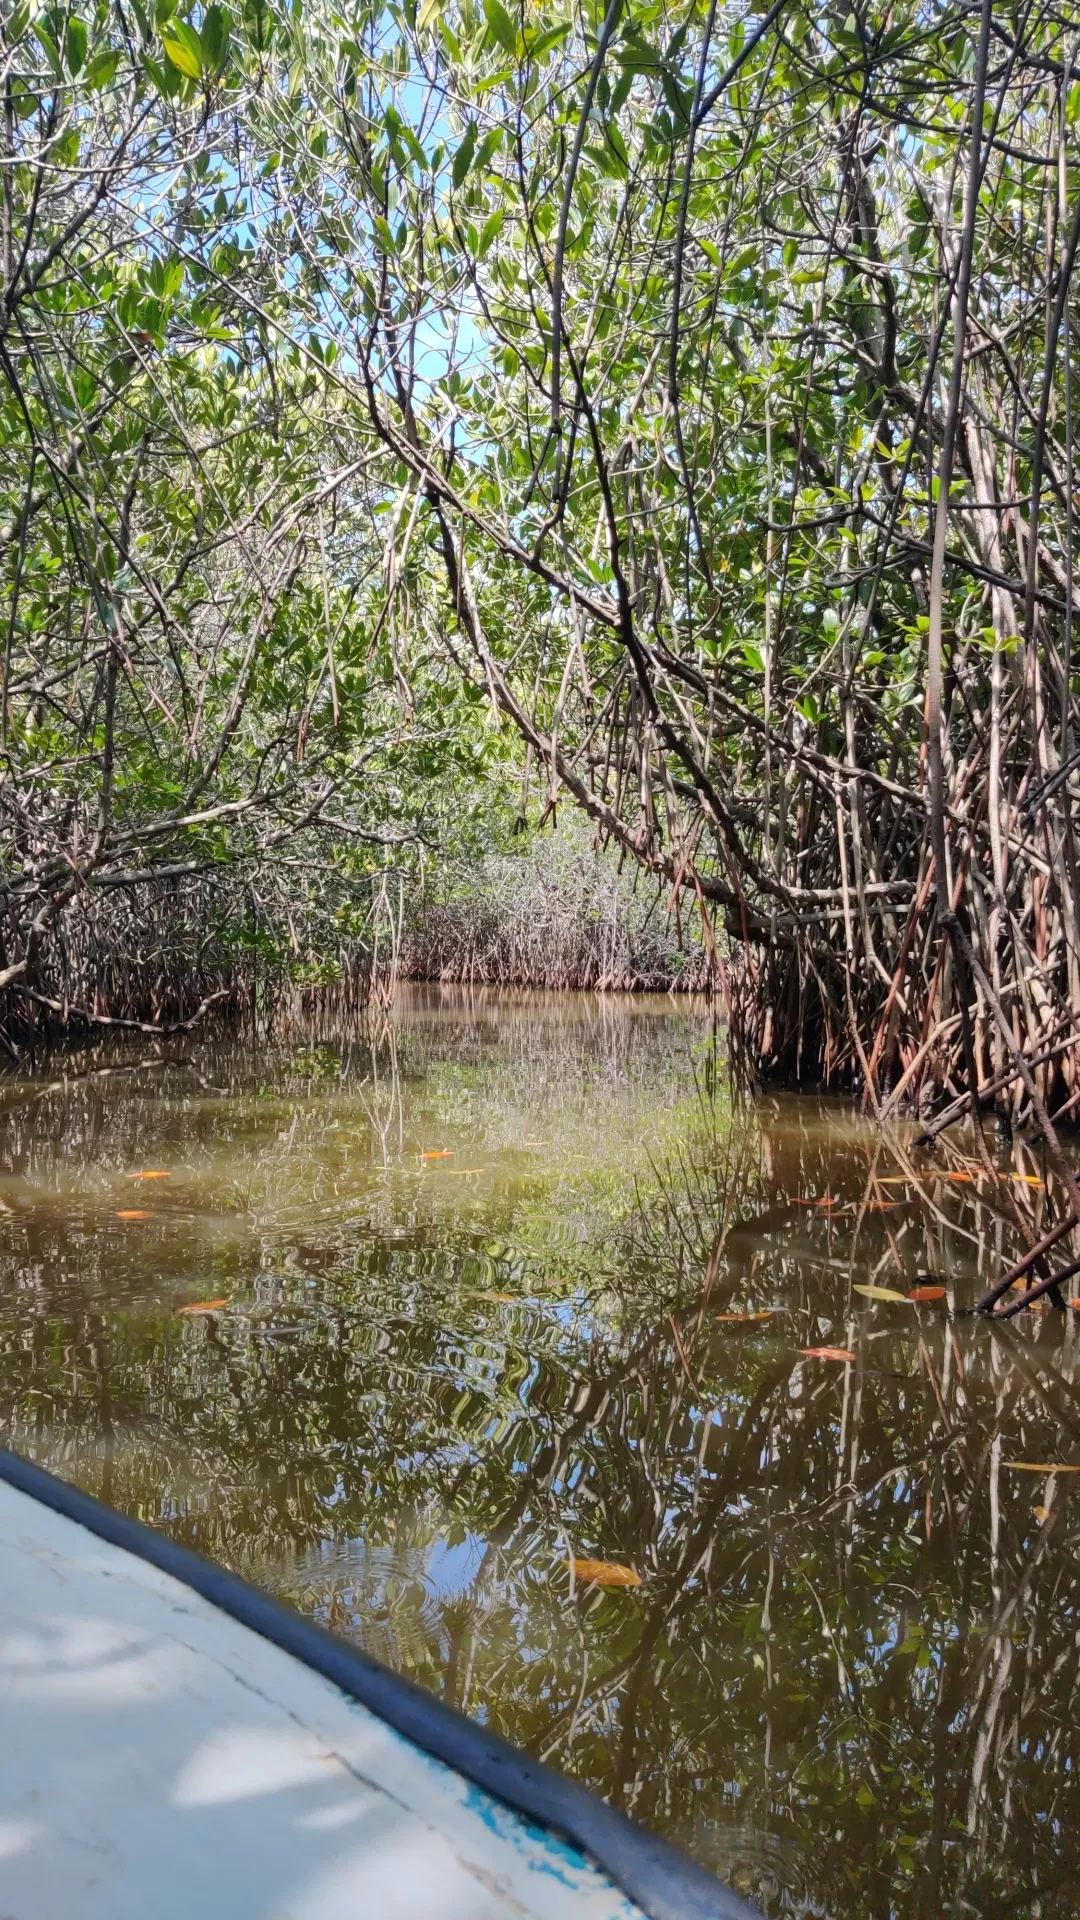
(540, 872)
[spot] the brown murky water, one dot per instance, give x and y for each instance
(520, 1285)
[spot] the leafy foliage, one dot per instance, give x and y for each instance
(686, 397)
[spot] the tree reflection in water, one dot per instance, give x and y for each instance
(848, 1678)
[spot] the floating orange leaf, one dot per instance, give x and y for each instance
(134, 1213)
(955, 1176)
(203, 1306)
(1040, 1466)
(828, 1201)
(927, 1293)
(1073, 1303)
(767, 1315)
(603, 1573)
(439, 1153)
(827, 1353)
(151, 1173)
(1041, 1513)
(880, 1206)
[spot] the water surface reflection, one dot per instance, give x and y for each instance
(477, 1301)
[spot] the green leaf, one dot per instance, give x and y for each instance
(102, 69)
(428, 14)
(501, 27)
(489, 231)
(184, 48)
(616, 140)
(677, 97)
(49, 44)
(636, 55)
(608, 162)
(214, 38)
(414, 146)
(550, 38)
(258, 24)
(75, 46)
(167, 79)
(463, 156)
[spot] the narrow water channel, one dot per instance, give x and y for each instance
(401, 1331)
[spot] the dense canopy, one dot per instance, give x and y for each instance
(665, 407)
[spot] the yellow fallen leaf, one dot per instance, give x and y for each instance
(134, 1213)
(931, 1173)
(203, 1306)
(827, 1353)
(538, 1143)
(603, 1573)
(881, 1293)
(1041, 1513)
(479, 1293)
(462, 1172)
(1040, 1466)
(151, 1173)
(1028, 1179)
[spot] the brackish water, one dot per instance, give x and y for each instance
(485, 1298)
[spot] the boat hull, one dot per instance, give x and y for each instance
(162, 1755)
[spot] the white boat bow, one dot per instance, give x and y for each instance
(177, 1746)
